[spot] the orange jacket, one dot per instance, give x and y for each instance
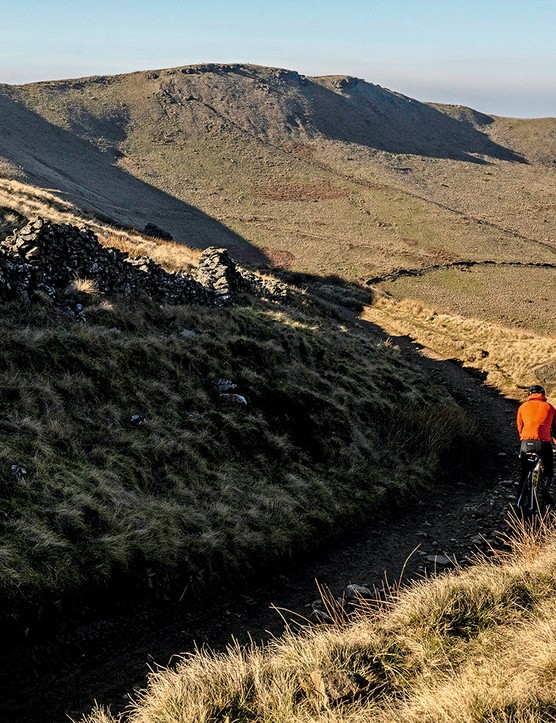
(536, 419)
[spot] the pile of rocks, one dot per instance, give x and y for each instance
(216, 271)
(49, 258)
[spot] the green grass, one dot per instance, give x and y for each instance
(482, 292)
(202, 491)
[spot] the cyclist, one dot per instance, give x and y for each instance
(536, 424)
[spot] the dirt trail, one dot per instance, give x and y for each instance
(106, 661)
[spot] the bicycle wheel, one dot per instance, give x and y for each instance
(527, 500)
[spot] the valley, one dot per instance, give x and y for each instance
(316, 378)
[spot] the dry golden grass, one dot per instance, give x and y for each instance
(30, 201)
(511, 359)
(470, 646)
(84, 286)
(171, 256)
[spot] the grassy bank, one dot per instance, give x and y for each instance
(511, 359)
(471, 645)
(202, 489)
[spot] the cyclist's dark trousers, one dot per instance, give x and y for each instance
(548, 463)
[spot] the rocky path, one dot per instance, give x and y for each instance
(106, 661)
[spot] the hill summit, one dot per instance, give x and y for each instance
(213, 152)
(324, 175)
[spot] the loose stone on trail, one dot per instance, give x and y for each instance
(439, 560)
(352, 592)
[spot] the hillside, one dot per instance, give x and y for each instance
(164, 427)
(175, 419)
(328, 175)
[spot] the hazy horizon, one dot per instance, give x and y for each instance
(497, 57)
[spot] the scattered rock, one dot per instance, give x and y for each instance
(439, 560)
(331, 687)
(152, 230)
(19, 471)
(224, 385)
(187, 333)
(353, 592)
(137, 420)
(233, 399)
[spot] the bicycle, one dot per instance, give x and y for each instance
(534, 497)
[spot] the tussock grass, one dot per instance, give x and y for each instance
(511, 359)
(470, 645)
(202, 491)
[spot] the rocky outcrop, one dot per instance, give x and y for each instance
(218, 273)
(47, 258)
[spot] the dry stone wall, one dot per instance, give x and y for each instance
(48, 258)
(224, 278)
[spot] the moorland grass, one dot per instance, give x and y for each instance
(202, 490)
(475, 644)
(482, 293)
(510, 358)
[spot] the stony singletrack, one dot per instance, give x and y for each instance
(105, 660)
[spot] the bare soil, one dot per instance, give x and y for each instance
(47, 680)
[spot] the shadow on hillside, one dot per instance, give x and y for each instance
(331, 288)
(378, 118)
(350, 299)
(55, 158)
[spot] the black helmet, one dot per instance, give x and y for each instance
(536, 389)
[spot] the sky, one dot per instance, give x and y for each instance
(498, 56)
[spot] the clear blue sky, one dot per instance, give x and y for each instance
(498, 56)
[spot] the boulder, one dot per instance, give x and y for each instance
(152, 230)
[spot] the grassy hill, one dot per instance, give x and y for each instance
(125, 475)
(125, 471)
(327, 175)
